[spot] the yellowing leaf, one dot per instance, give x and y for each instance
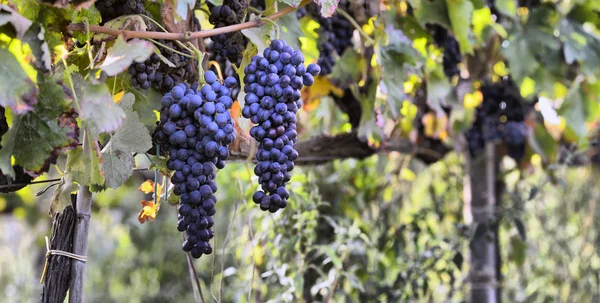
(147, 187)
(321, 88)
(118, 96)
(149, 211)
(429, 124)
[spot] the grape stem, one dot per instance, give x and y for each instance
(185, 36)
(356, 25)
(274, 25)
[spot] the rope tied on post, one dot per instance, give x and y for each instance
(56, 252)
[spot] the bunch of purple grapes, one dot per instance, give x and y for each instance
(272, 85)
(229, 45)
(196, 129)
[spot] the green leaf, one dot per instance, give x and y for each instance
(260, 36)
(521, 61)
(122, 55)
(61, 197)
(507, 7)
(460, 13)
(78, 166)
(14, 83)
(433, 12)
(117, 166)
(438, 88)
(573, 110)
(19, 23)
(97, 105)
(290, 30)
(90, 15)
(131, 137)
(35, 39)
(580, 45)
(348, 69)
(39, 133)
(398, 59)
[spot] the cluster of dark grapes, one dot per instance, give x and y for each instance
(111, 9)
(272, 85)
(162, 77)
(500, 118)
(335, 34)
(452, 56)
(196, 129)
(258, 4)
(229, 45)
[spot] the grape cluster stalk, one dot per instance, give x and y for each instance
(196, 129)
(272, 85)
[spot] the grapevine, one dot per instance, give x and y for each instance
(272, 85)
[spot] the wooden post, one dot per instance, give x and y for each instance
(80, 240)
(58, 275)
(480, 207)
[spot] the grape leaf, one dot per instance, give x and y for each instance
(147, 187)
(149, 211)
(259, 36)
(97, 105)
(433, 12)
(90, 15)
(507, 7)
(460, 13)
(19, 23)
(122, 54)
(39, 133)
(61, 197)
(348, 69)
(35, 39)
(290, 30)
(438, 87)
(117, 165)
(132, 136)
(328, 7)
(14, 84)
(518, 53)
(397, 58)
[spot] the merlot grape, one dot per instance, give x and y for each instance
(272, 85)
(196, 129)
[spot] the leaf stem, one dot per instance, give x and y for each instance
(356, 25)
(186, 35)
(274, 24)
(171, 49)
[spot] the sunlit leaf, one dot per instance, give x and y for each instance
(148, 212)
(123, 54)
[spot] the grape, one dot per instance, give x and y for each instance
(111, 9)
(228, 45)
(274, 110)
(190, 132)
(452, 56)
(335, 34)
(500, 118)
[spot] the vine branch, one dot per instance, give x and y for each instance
(185, 36)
